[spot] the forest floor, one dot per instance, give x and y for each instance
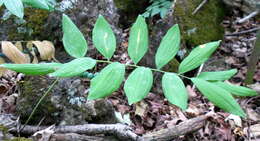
(155, 113)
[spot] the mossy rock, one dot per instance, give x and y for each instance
(32, 29)
(31, 91)
(202, 27)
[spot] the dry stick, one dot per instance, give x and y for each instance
(243, 32)
(251, 15)
(183, 128)
(124, 132)
(199, 7)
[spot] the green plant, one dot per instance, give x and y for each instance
(158, 7)
(16, 7)
(140, 81)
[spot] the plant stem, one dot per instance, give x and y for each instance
(39, 102)
(136, 66)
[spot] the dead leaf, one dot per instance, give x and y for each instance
(46, 49)
(29, 45)
(2, 70)
(13, 53)
(234, 120)
(19, 45)
(141, 108)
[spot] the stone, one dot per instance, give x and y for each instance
(66, 104)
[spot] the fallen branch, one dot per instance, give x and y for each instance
(243, 32)
(119, 130)
(78, 137)
(251, 15)
(183, 128)
(123, 132)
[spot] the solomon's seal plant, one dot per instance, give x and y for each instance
(139, 82)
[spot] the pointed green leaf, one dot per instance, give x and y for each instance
(74, 68)
(33, 69)
(107, 81)
(174, 90)
(198, 56)
(219, 96)
(73, 40)
(15, 7)
(104, 38)
(169, 47)
(219, 75)
(236, 90)
(138, 40)
(138, 84)
(41, 4)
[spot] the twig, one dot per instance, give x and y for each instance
(251, 15)
(183, 128)
(199, 7)
(122, 131)
(243, 32)
(119, 130)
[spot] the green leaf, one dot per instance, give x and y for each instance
(15, 7)
(138, 40)
(219, 96)
(236, 90)
(73, 40)
(219, 75)
(138, 84)
(42, 4)
(169, 47)
(104, 38)
(174, 90)
(198, 56)
(75, 67)
(107, 81)
(33, 69)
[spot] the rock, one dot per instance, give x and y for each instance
(44, 25)
(66, 104)
(246, 6)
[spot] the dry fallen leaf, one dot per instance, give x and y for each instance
(46, 49)
(19, 45)
(13, 53)
(141, 108)
(2, 70)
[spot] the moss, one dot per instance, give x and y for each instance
(19, 139)
(202, 27)
(34, 25)
(32, 89)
